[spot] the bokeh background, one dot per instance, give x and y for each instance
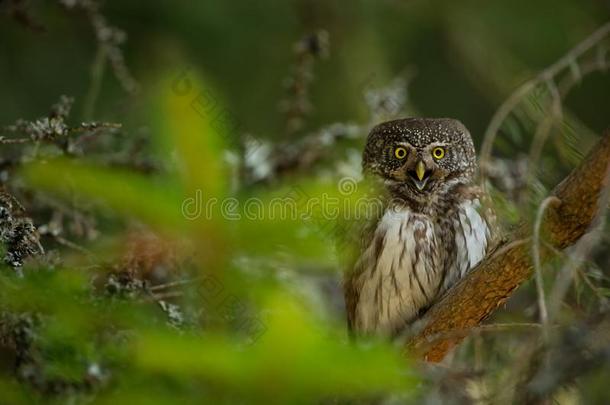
(465, 56)
(117, 308)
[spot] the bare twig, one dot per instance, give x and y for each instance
(297, 106)
(172, 284)
(582, 249)
(600, 296)
(537, 266)
(548, 74)
(167, 295)
(65, 242)
(97, 74)
(109, 39)
(545, 126)
(577, 351)
(597, 63)
(9, 141)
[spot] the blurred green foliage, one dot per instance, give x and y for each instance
(295, 358)
(466, 57)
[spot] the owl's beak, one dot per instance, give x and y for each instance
(420, 170)
(421, 174)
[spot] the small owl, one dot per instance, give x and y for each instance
(433, 228)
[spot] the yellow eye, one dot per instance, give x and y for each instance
(438, 152)
(400, 153)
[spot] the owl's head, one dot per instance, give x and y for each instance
(420, 157)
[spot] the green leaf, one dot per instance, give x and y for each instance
(295, 357)
(154, 202)
(189, 117)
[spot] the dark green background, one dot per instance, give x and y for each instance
(467, 55)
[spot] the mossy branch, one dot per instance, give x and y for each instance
(566, 219)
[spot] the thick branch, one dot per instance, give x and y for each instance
(494, 279)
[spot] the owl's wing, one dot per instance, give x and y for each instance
(350, 294)
(488, 212)
(358, 239)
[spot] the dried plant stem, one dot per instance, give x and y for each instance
(296, 106)
(65, 242)
(167, 295)
(582, 249)
(544, 319)
(590, 284)
(172, 284)
(558, 94)
(568, 61)
(97, 76)
(8, 141)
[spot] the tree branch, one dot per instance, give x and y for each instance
(488, 286)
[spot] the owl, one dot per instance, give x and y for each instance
(434, 227)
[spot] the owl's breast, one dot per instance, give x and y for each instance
(399, 273)
(468, 241)
(411, 260)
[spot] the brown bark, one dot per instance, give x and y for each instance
(489, 285)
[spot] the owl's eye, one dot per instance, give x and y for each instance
(438, 152)
(400, 153)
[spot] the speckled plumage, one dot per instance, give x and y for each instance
(433, 230)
